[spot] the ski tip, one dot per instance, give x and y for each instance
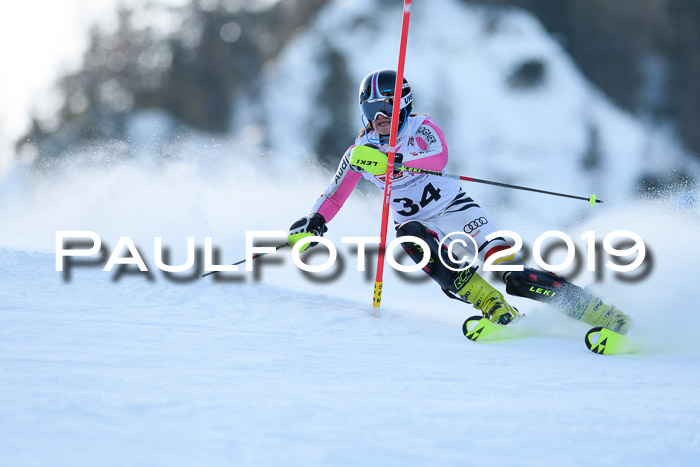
(476, 327)
(592, 338)
(603, 341)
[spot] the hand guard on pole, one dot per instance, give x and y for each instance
(373, 161)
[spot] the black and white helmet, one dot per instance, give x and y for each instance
(377, 95)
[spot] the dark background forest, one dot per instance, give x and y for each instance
(643, 54)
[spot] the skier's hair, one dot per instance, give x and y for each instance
(367, 128)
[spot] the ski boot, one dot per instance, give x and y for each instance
(597, 313)
(473, 289)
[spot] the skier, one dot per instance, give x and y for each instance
(430, 208)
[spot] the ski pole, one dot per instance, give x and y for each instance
(374, 162)
(591, 199)
(278, 247)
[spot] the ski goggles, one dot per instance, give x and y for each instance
(373, 107)
(383, 105)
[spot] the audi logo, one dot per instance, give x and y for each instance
(475, 224)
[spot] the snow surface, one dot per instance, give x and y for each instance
(274, 368)
(117, 369)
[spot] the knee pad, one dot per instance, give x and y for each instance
(438, 258)
(416, 229)
(415, 250)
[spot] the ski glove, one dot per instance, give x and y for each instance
(309, 226)
(398, 162)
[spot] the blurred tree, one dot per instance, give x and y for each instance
(682, 47)
(528, 74)
(643, 54)
(593, 157)
(335, 98)
(192, 72)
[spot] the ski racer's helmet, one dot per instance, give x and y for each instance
(377, 95)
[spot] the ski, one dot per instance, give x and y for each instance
(599, 340)
(478, 328)
(603, 341)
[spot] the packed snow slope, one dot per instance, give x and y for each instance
(276, 367)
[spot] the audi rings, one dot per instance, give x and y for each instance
(475, 224)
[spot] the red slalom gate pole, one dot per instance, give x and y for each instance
(398, 87)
